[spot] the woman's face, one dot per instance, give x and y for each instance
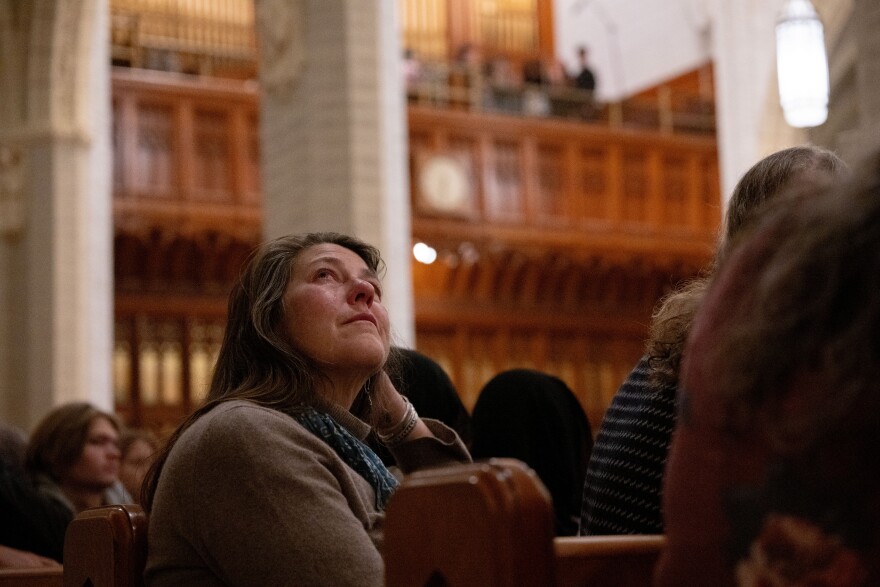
(134, 466)
(98, 464)
(334, 313)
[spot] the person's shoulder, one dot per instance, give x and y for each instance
(240, 409)
(234, 420)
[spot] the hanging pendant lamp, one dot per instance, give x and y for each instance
(802, 65)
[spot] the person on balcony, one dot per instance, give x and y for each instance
(585, 81)
(585, 78)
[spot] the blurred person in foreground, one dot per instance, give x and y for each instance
(774, 470)
(623, 488)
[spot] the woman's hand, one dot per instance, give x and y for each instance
(396, 417)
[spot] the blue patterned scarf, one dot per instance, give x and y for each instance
(351, 450)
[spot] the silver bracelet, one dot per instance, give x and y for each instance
(403, 429)
(393, 430)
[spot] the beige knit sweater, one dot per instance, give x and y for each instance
(250, 497)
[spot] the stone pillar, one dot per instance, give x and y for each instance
(865, 138)
(867, 18)
(744, 51)
(56, 251)
(334, 130)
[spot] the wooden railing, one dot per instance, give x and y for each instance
(684, 105)
(555, 245)
(581, 186)
(553, 249)
(186, 153)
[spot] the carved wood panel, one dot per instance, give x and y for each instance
(505, 197)
(182, 144)
(550, 182)
(676, 192)
(576, 232)
(633, 193)
(153, 170)
(162, 364)
(592, 169)
(635, 189)
(212, 172)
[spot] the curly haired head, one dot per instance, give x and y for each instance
(787, 174)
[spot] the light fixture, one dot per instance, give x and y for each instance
(802, 65)
(424, 253)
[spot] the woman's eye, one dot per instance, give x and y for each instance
(324, 274)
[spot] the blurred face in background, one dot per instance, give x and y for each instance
(98, 464)
(134, 466)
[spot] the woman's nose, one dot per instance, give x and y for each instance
(362, 291)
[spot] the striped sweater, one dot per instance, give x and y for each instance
(624, 479)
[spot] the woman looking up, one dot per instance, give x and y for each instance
(270, 482)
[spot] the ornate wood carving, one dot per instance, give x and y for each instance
(573, 233)
(581, 232)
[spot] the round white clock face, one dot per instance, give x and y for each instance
(444, 184)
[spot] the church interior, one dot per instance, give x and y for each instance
(439, 292)
(147, 146)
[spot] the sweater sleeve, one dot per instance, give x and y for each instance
(445, 448)
(264, 502)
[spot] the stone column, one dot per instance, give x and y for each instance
(865, 138)
(867, 17)
(744, 51)
(334, 130)
(56, 248)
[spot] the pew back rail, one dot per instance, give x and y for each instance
(491, 525)
(106, 547)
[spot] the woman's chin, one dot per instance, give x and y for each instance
(367, 359)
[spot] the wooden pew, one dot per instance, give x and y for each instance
(487, 525)
(106, 547)
(491, 525)
(609, 561)
(103, 547)
(42, 577)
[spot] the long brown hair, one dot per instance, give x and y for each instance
(257, 362)
(792, 172)
(58, 440)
